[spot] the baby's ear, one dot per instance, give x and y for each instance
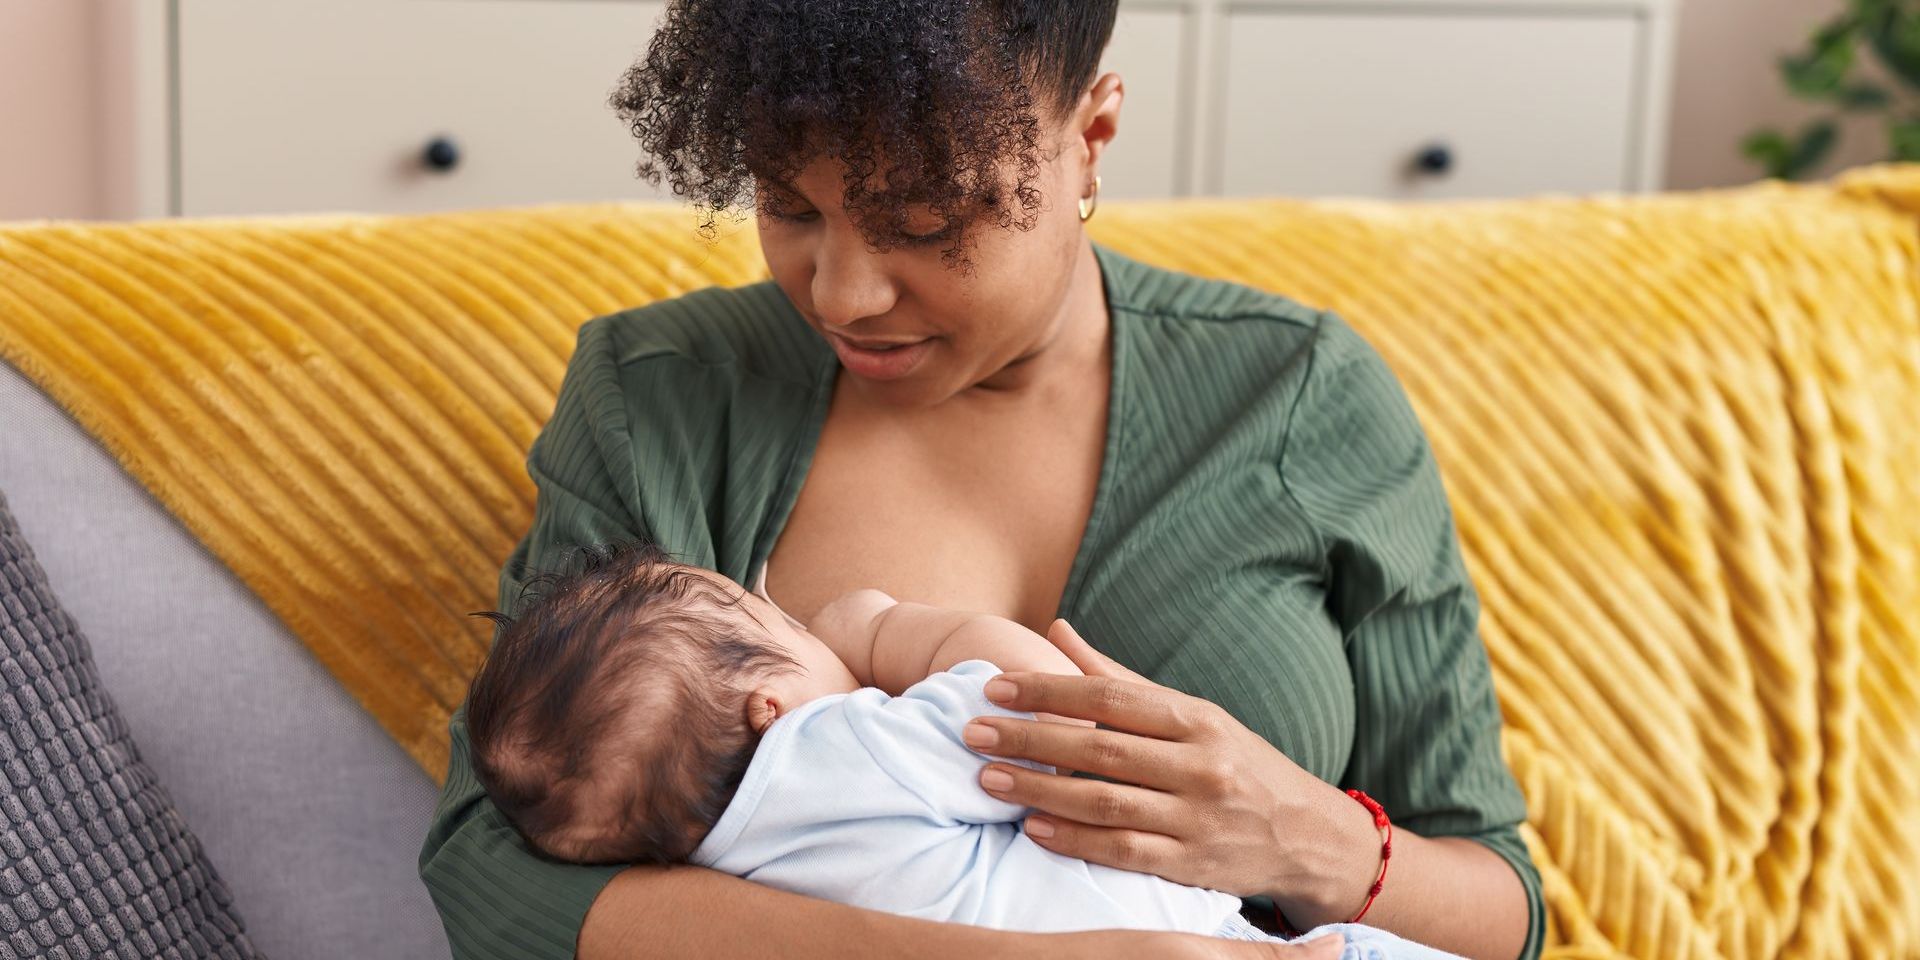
(763, 707)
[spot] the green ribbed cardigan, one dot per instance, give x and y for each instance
(1269, 532)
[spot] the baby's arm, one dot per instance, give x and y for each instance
(912, 641)
(894, 645)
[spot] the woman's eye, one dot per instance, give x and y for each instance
(792, 216)
(938, 236)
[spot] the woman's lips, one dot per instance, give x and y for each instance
(875, 360)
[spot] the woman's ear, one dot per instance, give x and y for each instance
(1098, 119)
(763, 708)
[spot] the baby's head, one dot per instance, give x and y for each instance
(613, 719)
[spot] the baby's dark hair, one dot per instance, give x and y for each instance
(734, 91)
(609, 721)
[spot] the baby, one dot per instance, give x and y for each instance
(645, 711)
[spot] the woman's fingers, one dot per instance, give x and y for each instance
(1117, 847)
(1327, 946)
(1109, 753)
(1091, 662)
(1145, 708)
(1087, 801)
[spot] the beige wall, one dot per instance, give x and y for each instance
(1726, 84)
(49, 136)
(54, 160)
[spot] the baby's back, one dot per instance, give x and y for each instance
(874, 801)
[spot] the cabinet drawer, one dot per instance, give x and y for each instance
(288, 107)
(1321, 104)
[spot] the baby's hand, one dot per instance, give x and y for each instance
(847, 625)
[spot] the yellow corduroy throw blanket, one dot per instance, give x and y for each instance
(1678, 431)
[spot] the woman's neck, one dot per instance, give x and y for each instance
(1074, 343)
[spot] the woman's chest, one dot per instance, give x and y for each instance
(960, 513)
(1198, 572)
(1196, 567)
(1255, 642)
(1206, 577)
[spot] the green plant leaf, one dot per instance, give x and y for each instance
(1823, 71)
(1791, 158)
(1769, 149)
(1863, 96)
(1894, 35)
(1904, 135)
(1816, 141)
(1819, 73)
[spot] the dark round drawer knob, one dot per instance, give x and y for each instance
(442, 154)
(1436, 159)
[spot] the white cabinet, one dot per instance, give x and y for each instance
(404, 105)
(273, 106)
(1428, 103)
(1397, 98)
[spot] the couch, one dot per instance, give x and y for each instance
(1677, 429)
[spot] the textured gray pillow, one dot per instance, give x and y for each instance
(94, 859)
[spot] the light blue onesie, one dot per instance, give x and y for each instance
(874, 801)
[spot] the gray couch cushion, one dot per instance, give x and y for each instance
(314, 816)
(94, 859)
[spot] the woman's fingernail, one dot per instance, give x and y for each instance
(1334, 944)
(996, 780)
(1039, 828)
(979, 736)
(1000, 691)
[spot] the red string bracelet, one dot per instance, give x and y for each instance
(1386, 855)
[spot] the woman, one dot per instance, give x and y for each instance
(948, 393)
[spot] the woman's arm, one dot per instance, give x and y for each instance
(1359, 467)
(694, 912)
(1430, 880)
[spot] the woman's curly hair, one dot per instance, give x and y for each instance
(947, 94)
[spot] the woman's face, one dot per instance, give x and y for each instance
(913, 329)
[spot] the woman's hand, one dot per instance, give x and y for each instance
(1201, 799)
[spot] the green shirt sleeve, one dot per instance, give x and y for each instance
(497, 898)
(1427, 725)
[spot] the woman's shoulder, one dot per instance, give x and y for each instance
(1149, 290)
(752, 329)
(1273, 339)
(1184, 301)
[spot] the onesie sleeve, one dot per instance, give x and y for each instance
(916, 738)
(1427, 724)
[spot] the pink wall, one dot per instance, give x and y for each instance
(49, 131)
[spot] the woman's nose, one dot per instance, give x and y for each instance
(851, 283)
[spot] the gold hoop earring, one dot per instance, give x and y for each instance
(1089, 204)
